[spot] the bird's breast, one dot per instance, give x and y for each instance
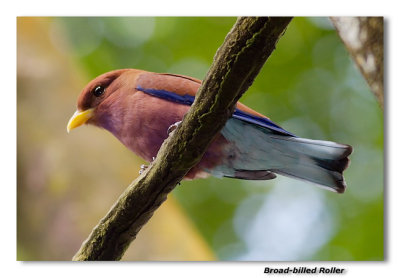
(141, 123)
(145, 123)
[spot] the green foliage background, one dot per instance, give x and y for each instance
(309, 86)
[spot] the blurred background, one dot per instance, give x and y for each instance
(67, 182)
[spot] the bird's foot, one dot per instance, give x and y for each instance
(143, 167)
(173, 127)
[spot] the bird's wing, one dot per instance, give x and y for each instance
(182, 89)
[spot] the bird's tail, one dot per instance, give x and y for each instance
(261, 153)
(319, 162)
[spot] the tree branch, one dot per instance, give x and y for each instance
(363, 37)
(236, 64)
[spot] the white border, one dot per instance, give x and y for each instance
(185, 8)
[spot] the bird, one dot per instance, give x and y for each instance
(140, 108)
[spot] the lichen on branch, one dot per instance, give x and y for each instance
(363, 38)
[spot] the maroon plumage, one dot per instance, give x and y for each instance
(138, 107)
(141, 121)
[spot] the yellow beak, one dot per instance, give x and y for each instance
(79, 118)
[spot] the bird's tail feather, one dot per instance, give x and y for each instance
(261, 153)
(320, 162)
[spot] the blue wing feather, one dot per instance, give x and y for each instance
(238, 114)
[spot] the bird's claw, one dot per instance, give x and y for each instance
(173, 127)
(143, 168)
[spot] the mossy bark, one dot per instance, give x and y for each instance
(236, 64)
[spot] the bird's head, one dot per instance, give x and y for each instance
(98, 91)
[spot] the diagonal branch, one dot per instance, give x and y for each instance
(363, 38)
(235, 66)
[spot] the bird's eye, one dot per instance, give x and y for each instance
(98, 91)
